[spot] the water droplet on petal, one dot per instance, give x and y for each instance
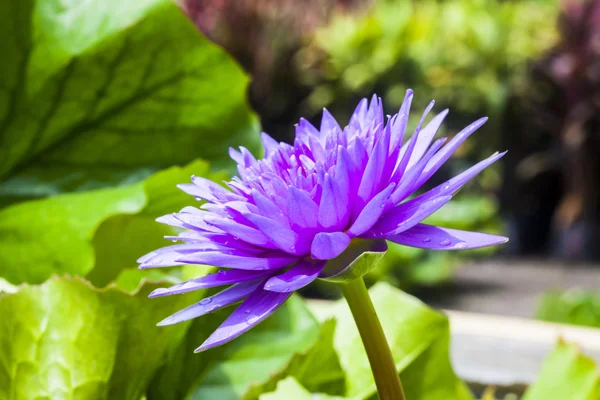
(247, 311)
(236, 238)
(205, 301)
(251, 319)
(461, 245)
(221, 272)
(445, 242)
(174, 240)
(426, 240)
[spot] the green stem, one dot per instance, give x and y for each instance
(383, 367)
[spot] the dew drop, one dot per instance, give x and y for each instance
(426, 240)
(221, 272)
(251, 319)
(445, 242)
(461, 245)
(174, 240)
(382, 205)
(236, 238)
(247, 311)
(205, 301)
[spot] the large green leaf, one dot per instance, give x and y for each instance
(318, 369)
(566, 374)
(66, 340)
(290, 389)
(419, 339)
(257, 354)
(107, 91)
(106, 228)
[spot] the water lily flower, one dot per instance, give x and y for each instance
(288, 216)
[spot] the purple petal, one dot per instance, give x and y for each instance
(296, 277)
(326, 246)
(399, 124)
(453, 185)
(258, 306)
(328, 123)
(444, 154)
(207, 305)
(334, 207)
(407, 183)
(241, 231)
(177, 250)
(270, 145)
(425, 138)
(305, 129)
(170, 220)
(284, 238)
(371, 213)
(372, 175)
(302, 210)
(402, 218)
(435, 238)
(268, 209)
(239, 260)
(221, 278)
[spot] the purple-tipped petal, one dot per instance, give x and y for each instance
(256, 308)
(453, 185)
(426, 137)
(334, 207)
(402, 218)
(444, 154)
(328, 123)
(207, 305)
(435, 238)
(326, 246)
(302, 210)
(221, 278)
(239, 260)
(269, 144)
(242, 231)
(283, 237)
(371, 213)
(296, 277)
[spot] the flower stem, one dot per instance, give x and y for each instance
(383, 367)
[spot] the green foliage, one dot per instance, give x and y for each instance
(566, 374)
(462, 53)
(65, 339)
(98, 232)
(571, 307)
(99, 93)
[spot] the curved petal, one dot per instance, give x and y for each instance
(326, 246)
(207, 305)
(238, 260)
(436, 238)
(296, 277)
(221, 278)
(402, 218)
(302, 210)
(258, 306)
(371, 213)
(283, 237)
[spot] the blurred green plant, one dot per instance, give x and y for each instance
(576, 307)
(465, 54)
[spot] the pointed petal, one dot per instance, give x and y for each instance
(371, 213)
(435, 238)
(425, 138)
(239, 260)
(258, 306)
(207, 305)
(306, 129)
(302, 210)
(444, 154)
(402, 218)
(221, 278)
(328, 123)
(296, 277)
(239, 230)
(334, 207)
(284, 238)
(270, 145)
(371, 178)
(326, 246)
(268, 208)
(453, 185)
(399, 125)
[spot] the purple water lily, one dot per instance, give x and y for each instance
(274, 228)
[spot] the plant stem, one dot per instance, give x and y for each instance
(383, 367)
